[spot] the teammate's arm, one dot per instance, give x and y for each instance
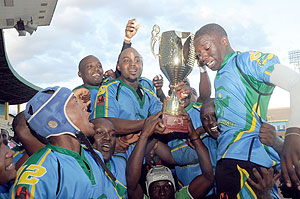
(124, 127)
(163, 151)
(130, 30)
(134, 164)
(23, 133)
(269, 137)
(201, 185)
(289, 80)
(204, 85)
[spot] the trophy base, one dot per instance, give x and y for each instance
(175, 123)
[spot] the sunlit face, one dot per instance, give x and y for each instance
(210, 50)
(105, 138)
(78, 114)
(209, 120)
(91, 71)
(162, 189)
(7, 166)
(130, 65)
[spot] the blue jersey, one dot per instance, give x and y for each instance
(4, 190)
(119, 100)
(147, 83)
(185, 155)
(19, 152)
(242, 90)
(56, 172)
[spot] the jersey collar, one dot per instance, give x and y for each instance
(226, 58)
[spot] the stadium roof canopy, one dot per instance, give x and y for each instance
(32, 13)
(39, 12)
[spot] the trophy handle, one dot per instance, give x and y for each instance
(154, 38)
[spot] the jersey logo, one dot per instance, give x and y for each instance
(22, 193)
(261, 58)
(101, 100)
(221, 101)
(31, 175)
(101, 90)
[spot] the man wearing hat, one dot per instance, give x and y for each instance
(63, 168)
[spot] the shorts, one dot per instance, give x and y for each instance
(230, 173)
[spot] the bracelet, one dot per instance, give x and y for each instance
(195, 139)
(202, 69)
(126, 38)
(292, 134)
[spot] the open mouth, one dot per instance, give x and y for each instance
(211, 64)
(96, 76)
(132, 71)
(106, 147)
(214, 129)
(11, 166)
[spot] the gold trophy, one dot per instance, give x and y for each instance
(176, 60)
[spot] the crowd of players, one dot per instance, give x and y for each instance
(106, 138)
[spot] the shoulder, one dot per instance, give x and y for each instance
(87, 153)
(257, 57)
(109, 85)
(150, 91)
(146, 80)
(197, 105)
(40, 156)
(183, 193)
(81, 86)
(194, 106)
(110, 82)
(147, 83)
(119, 158)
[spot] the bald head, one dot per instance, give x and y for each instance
(211, 29)
(85, 60)
(90, 70)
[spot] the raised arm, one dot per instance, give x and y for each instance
(201, 185)
(22, 132)
(204, 85)
(158, 83)
(289, 80)
(130, 30)
(163, 152)
(135, 161)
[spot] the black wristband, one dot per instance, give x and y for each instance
(195, 139)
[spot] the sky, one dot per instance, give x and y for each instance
(50, 56)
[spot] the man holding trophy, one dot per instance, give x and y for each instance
(176, 59)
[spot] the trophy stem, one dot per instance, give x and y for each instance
(173, 104)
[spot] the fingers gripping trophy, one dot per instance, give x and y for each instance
(176, 59)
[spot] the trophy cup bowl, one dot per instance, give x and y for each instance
(176, 60)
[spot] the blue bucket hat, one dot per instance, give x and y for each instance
(46, 112)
